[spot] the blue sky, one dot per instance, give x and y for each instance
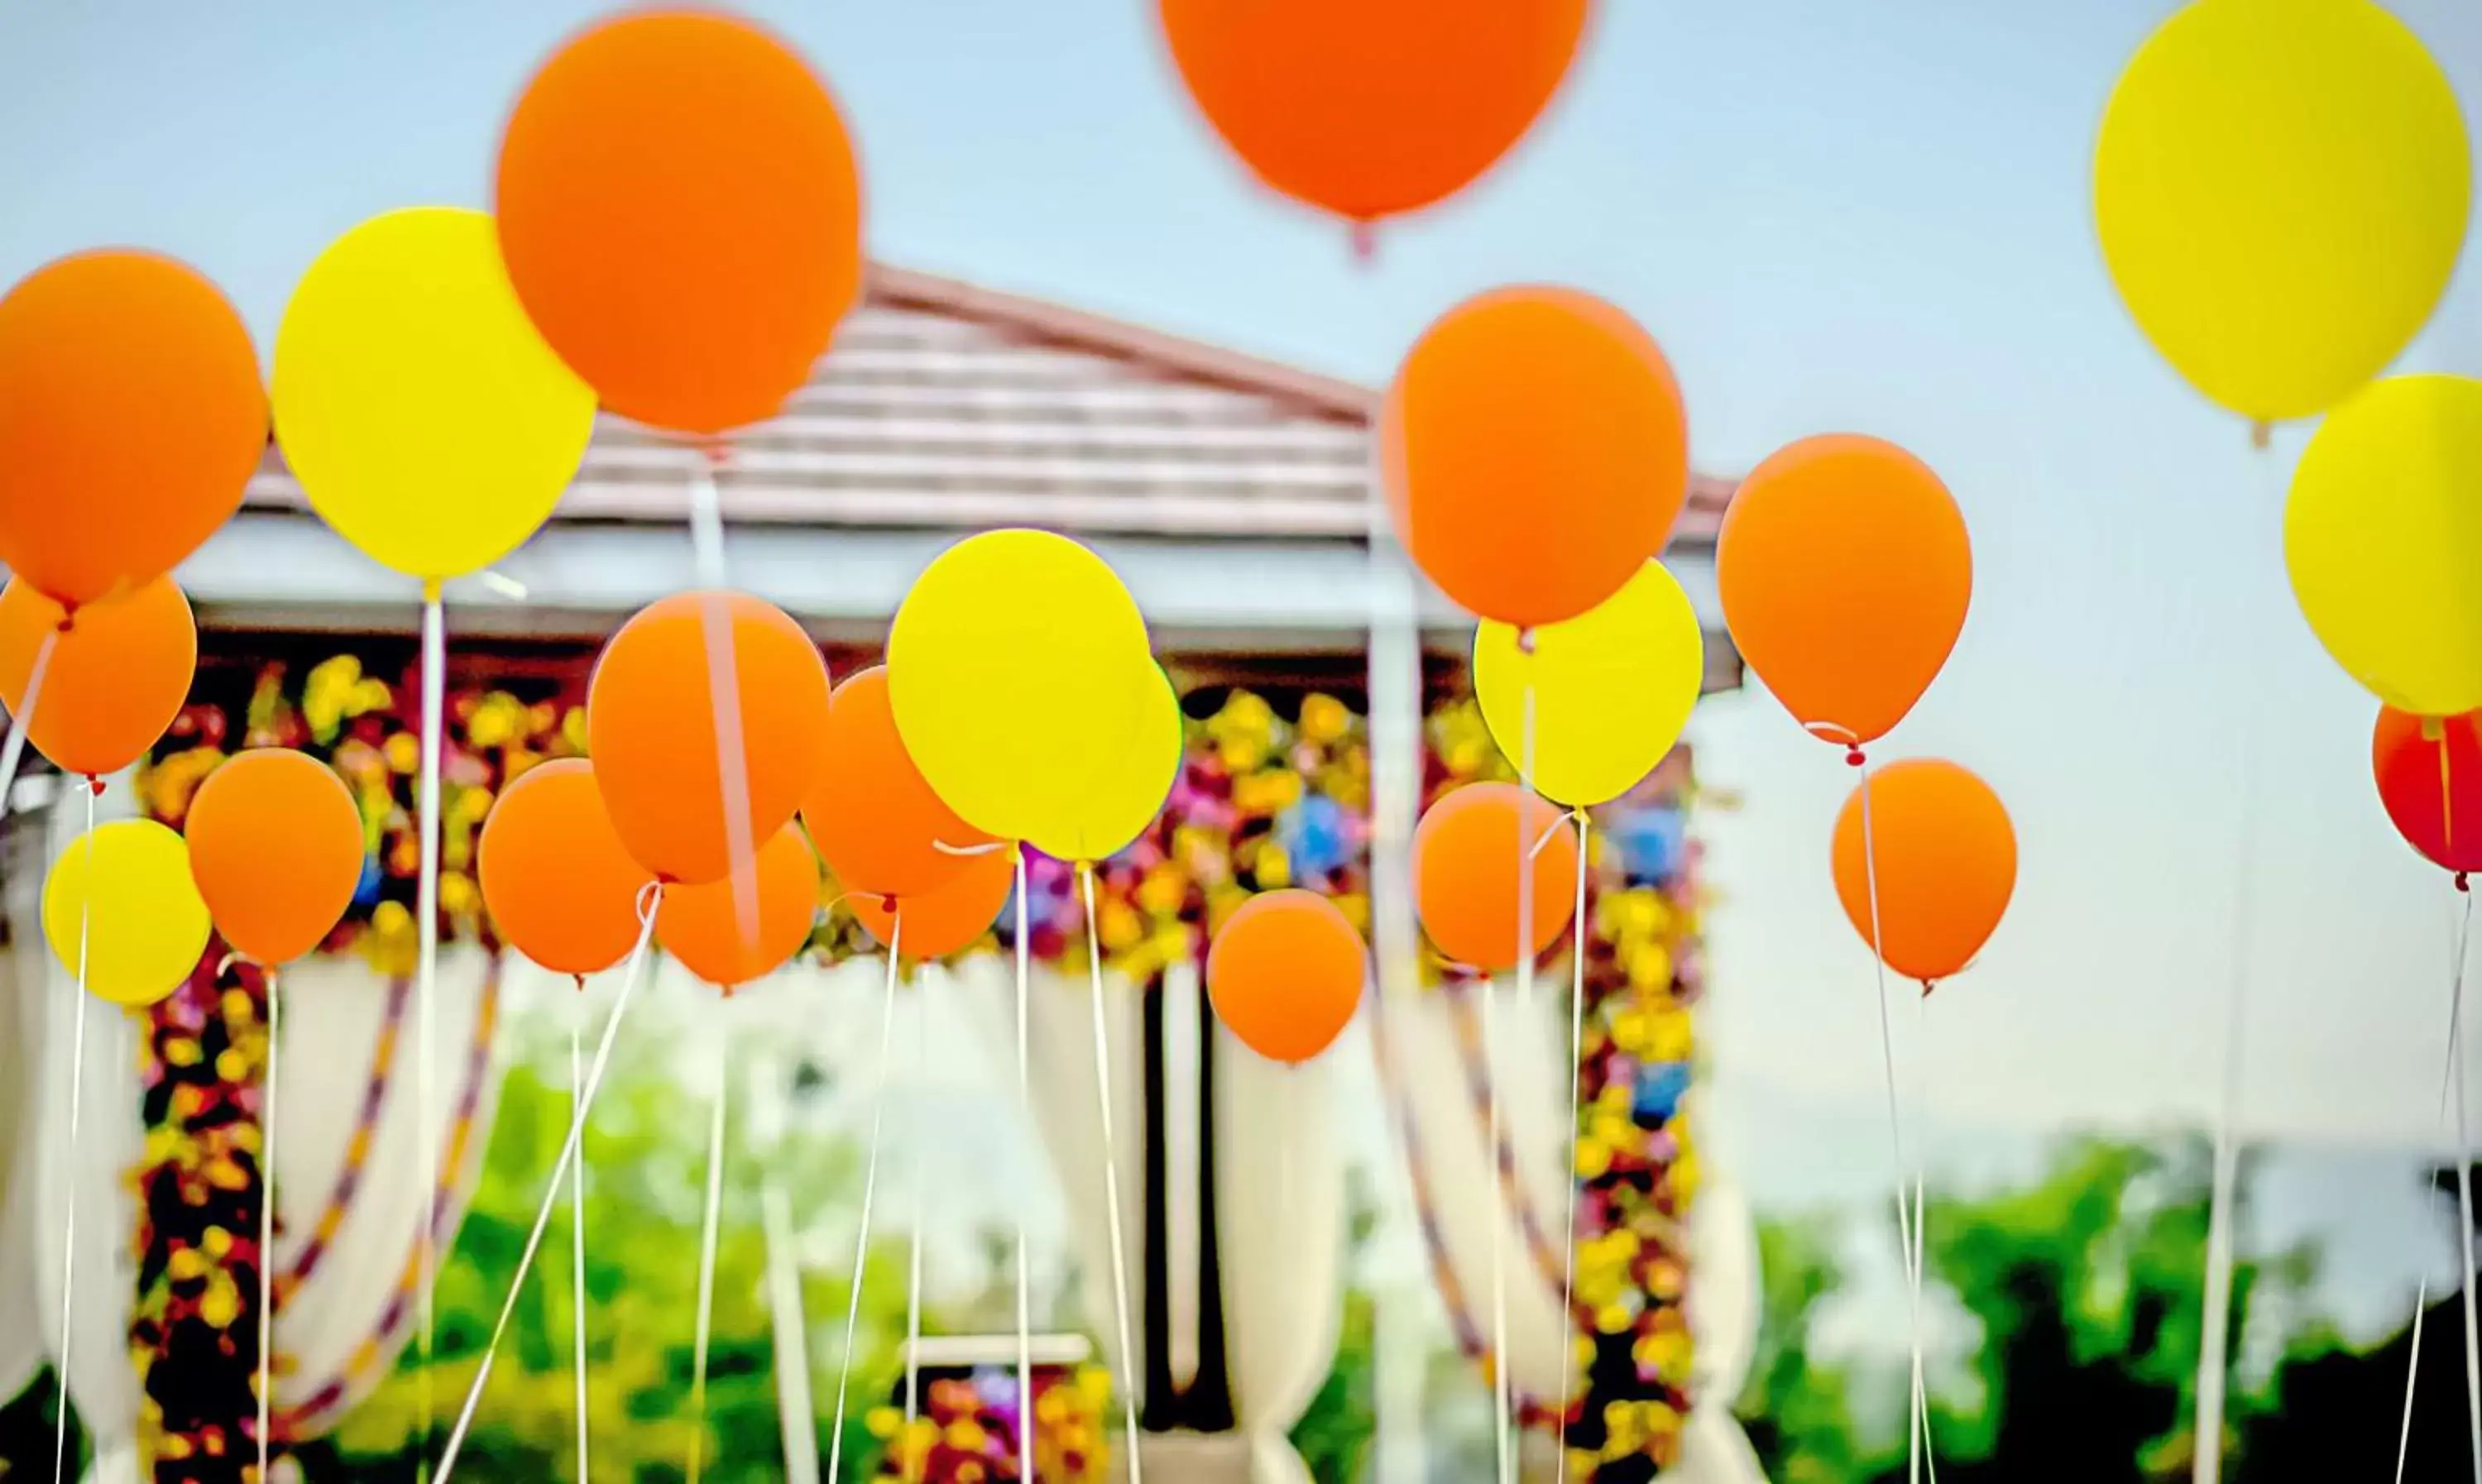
(1833, 216)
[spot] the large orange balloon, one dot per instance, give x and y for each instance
(131, 419)
(1946, 860)
(1845, 572)
(650, 726)
(560, 886)
(1465, 873)
(681, 215)
(702, 925)
(946, 921)
(118, 674)
(1285, 975)
(1536, 453)
(276, 849)
(875, 822)
(1369, 108)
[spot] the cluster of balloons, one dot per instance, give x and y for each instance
(2283, 189)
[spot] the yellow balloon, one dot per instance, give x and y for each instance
(2282, 187)
(1123, 801)
(123, 888)
(1612, 689)
(2383, 533)
(427, 420)
(1018, 669)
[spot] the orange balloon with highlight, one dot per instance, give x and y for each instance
(702, 925)
(1285, 975)
(561, 888)
(948, 919)
(1536, 453)
(680, 212)
(132, 418)
(1372, 107)
(877, 823)
(651, 729)
(276, 849)
(116, 678)
(1467, 877)
(1845, 573)
(1945, 858)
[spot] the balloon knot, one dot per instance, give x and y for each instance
(1365, 243)
(580, 980)
(1525, 641)
(1929, 985)
(1854, 758)
(2462, 883)
(717, 452)
(2262, 434)
(887, 903)
(94, 786)
(69, 622)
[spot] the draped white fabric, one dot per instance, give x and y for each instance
(335, 1017)
(21, 1334)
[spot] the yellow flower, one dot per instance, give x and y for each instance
(231, 1066)
(221, 1305)
(572, 728)
(883, 1421)
(1594, 1158)
(1274, 867)
(1161, 890)
(1324, 718)
(459, 896)
(1671, 1036)
(1650, 966)
(181, 1051)
(217, 1242)
(405, 753)
(187, 1266)
(966, 1436)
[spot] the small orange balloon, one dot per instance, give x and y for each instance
(117, 677)
(650, 727)
(1945, 855)
(877, 823)
(1371, 108)
(1465, 881)
(1285, 975)
(681, 215)
(131, 419)
(1845, 573)
(701, 925)
(276, 849)
(560, 886)
(1536, 453)
(948, 919)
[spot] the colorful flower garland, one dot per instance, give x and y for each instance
(967, 1431)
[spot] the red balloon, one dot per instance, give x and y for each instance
(2429, 773)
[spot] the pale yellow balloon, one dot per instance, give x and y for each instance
(426, 419)
(2383, 533)
(1018, 670)
(1127, 793)
(1612, 689)
(123, 889)
(2282, 188)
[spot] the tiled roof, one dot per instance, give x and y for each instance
(945, 406)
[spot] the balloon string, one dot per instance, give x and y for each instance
(1921, 1225)
(1577, 1075)
(1112, 1176)
(77, 1108)
(1916, 1420)
(2465, 1202)
(709, 1231)
(2450, 1084)
(988, 847)
(13, 750)
(1503, 1403)
(913, 1197)
(650, 899)
(724, 694)
(577, 1239)
(869, 1194)
(435, 690)
(267, 1222)
(1024, 1266)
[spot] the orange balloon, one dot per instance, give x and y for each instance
(1947, 859)
(650, 726)
(680, 212)
(701, 925)
(1465, 882)
(116, 678)
(1845, 572)
(1285, 975)
(875, 822)
(946, 921)
(1536, 453)
(1371, 108)
(276, 849)
(559, 886)
(131, 419)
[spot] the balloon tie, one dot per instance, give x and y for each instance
(988, 847)
(2462, 884)
(869, 1194)
(93, 786)
(2262, 434)
(1553, 832)
(1365, 242)
(579, 981)
(1855, 758)
(1110, 1175)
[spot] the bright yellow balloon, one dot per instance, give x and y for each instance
(142, 922)
(1017, 669)
(2282, 188)
(1613, 687)
(1121, 802)
(427, 420)
(2383, 533)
